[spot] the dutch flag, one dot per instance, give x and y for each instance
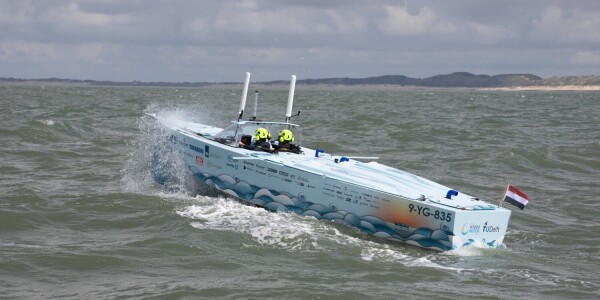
(515, 197)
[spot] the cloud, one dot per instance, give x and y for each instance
(586, 58)
(15, 12)
(565, 25)
(30, 51)
(71, 15)
(398, 21)
(187, 40)
(488, 34)
(37, 52)
(249, 18)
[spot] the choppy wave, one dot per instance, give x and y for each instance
(82, 217)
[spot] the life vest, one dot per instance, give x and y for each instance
(288, 147)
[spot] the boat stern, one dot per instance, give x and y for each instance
(480, 228)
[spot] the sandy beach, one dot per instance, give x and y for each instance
(547, 88)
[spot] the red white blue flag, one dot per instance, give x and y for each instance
(515, 197)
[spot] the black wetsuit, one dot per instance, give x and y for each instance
(264, 146)
(287, 147)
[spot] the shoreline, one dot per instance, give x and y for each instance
(268, 86)
(545, 88)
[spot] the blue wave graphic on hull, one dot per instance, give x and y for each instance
(276, 201)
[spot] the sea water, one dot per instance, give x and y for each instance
(82, 218)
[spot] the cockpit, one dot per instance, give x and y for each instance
(243, 131)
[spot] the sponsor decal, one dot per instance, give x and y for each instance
(213, 165)
(206, 150)
(470, 229)
(232, 165)
(283, 173)
(288, 180)
(248, 163)
(477, 228)
(199, 160)
(487, 228)
(197, 149)
(272, 170)
(260, 167)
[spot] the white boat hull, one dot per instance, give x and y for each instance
(377, 199)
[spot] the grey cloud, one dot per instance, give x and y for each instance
(210, 40)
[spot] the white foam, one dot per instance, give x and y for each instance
(465, 251)
(385, 253)
(19, 245)
(292, 232)
(47, 122)
(273, 229)
(137, 177)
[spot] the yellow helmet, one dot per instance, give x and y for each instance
(262, 134)
(286, 136)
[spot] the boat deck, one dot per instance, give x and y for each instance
(370, 175)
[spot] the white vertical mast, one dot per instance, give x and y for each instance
(244, 94)
(288, 112)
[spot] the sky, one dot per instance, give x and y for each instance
(215, 41)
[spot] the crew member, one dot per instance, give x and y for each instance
(286, 137)
(261, 141)
(284, 142)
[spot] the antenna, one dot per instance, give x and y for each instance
(255, 105)
(244, 94)
(288, 112)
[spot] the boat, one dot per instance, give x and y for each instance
(379, 200)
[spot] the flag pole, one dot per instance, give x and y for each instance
(504, 195)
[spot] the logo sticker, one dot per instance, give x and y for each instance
(197, 149)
